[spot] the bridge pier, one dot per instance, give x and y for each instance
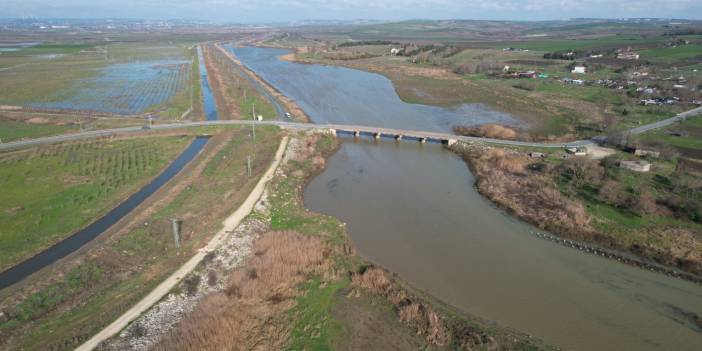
(398, 137)
(450, 142)
(332, 131)
(422, 140)
(377, 135)
(357, 134)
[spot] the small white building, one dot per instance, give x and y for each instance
(636, 166)
(644, 153)
(628, 55)
(579, 151)
(579, 69)
(394, 51)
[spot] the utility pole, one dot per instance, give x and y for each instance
(248, 165)
(175, 225)
(253, 128)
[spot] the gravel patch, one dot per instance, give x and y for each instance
(143, 333)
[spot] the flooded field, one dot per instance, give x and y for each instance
(348, 96)
(125, 88)
(413, 209)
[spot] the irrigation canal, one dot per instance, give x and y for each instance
(77, 240)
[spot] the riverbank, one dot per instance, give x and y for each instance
(549, 109)
(303, 286)
(535, 190)
(659, 233)
(82, 294)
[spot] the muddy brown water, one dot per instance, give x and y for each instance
(413, 209)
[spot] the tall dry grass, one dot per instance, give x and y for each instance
(422, 318)
(249, 314)
(503, 177)
(495, 131)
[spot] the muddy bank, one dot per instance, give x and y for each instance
(517, 183)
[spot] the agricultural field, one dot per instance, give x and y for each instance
(51, 191)
(122, 79)
(683, 52)
(66, 309)
(128, 88)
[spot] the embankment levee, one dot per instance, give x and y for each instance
(165, 287)
(272, 93)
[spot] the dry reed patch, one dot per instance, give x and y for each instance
(250, 313)
(494, 131)
(503, 177)
(422, 318)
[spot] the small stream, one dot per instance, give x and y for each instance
(413, 209)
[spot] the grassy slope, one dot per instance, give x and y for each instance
(65, 313)
(52, 191)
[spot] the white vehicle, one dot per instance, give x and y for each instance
(288, 115)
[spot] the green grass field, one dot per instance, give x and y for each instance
(51, 191)
(674, 54)
(13, 130)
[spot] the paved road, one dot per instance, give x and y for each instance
(363, 129)
(282, 124)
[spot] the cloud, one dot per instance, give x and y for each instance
(261, 10)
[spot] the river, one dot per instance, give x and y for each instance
(412, 209)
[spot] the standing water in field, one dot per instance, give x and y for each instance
(124, 88)
(413, 209)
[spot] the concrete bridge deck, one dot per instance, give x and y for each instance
(342, 128)
(332, 128)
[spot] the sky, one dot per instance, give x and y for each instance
(262, 11)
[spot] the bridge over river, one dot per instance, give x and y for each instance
(357, 130)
